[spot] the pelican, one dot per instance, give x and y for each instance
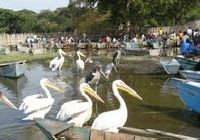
(57, 62)
(5, 100)
(94, 76)
(78, 111)
(111, 120)
(117, 56)
(79, 62)
(37, 106)
(109, 68)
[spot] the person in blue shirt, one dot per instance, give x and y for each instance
(186, 48)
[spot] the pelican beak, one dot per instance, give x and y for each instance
(91, 92)
(103, 74)
(6, 101)
(129, 90)
(52, 86)
(115, 69)
(82, 54)
(89, 60)
(63, 52)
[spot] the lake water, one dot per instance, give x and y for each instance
(160, 109)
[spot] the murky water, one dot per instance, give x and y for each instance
(160, 109)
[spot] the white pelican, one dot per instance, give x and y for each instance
(57, 62)
(77, 111)
(111, 120)
(79, 62)
(5, 100)
(37, 106)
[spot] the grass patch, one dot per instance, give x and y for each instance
(28, 57)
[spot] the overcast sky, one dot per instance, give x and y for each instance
(34, 5)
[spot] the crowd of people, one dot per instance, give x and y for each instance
(188, 40)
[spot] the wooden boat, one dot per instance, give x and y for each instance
(81, 45)
(54, 129)
(156, 44)
(171, 66)
(132, 48)
(37, 49)
(4, 50)
(189, 92)
(190, 75)
(188, 63)
(154, 52)
(22, 49)
(101, 45)
(13, 69)
(16, 85)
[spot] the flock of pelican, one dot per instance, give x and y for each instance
(78, 112)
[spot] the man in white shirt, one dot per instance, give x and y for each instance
(189, 31)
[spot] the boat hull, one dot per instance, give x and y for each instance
(189, 93)
(154, 52)
(170, 66)
(13, 70)
(191, 75)
(134, 49)
(188, 64)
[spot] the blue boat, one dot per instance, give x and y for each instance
(188, 63)
(189, 93)
(13, 70)
(190, 75)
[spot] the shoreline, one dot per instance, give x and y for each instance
(138, 64)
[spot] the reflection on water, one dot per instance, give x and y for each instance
(15, 85)
(169, 87)
(156, 111)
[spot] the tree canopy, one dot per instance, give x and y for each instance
(98, 16)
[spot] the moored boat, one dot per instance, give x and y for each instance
(154, 52)
(171, 66)
(81, 45)
(188, 63)
(132, 48)
(54, 129)
(101, 45)
(16, 85)
(13, 69)
(191, 75)
(189, 93)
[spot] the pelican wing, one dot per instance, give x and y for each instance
(80, 64)
(56, 63)
(35, 103)
(72, 109)
(108, 69)
(28, 99)
(32, 96)
(108, 121)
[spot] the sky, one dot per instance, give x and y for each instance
(34, 5)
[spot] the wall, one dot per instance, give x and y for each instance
(13, 39)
